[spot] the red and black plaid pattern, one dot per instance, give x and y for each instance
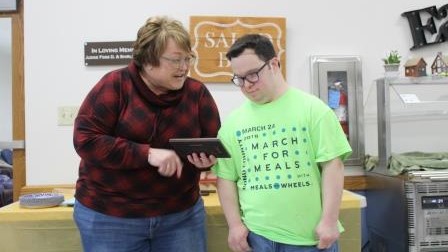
(117, 122)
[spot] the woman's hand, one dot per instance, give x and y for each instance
(201, 161)
(166, 161)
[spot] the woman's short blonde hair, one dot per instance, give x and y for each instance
(152, 39)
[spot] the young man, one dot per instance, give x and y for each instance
(281, 189)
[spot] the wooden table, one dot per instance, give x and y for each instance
(53, 229)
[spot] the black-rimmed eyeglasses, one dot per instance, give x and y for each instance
(252, 77)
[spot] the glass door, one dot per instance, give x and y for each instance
(5, 80)
(12, 97)
(6, 138)
(337, 81)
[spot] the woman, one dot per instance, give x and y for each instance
(133, 192)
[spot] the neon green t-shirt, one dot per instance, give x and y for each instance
(275, 149)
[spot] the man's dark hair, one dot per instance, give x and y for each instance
(260, 44)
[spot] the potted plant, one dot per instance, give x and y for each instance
(392, 61)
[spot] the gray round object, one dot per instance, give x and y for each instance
(41, 200)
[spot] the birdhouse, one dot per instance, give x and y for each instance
(415, 67)
(440, 65)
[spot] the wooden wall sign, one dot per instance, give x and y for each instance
(211, 38)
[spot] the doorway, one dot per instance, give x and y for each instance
(12, 134)
(6, 170)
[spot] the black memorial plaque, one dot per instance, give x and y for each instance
(108, 53)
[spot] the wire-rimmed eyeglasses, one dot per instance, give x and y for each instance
(251, 77)
(177, 63)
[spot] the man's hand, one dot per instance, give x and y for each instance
(327, 235)
(238, 238)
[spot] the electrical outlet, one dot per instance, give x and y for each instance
(67, 115)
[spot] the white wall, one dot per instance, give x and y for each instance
(55, 75)
(5, 80)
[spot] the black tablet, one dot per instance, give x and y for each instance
(210, 146)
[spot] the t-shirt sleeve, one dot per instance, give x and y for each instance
(329, 140)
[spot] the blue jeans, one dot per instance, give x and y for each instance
(260, 244)
(178, 232)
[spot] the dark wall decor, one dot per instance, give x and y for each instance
(108, 53)
(418, 30)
